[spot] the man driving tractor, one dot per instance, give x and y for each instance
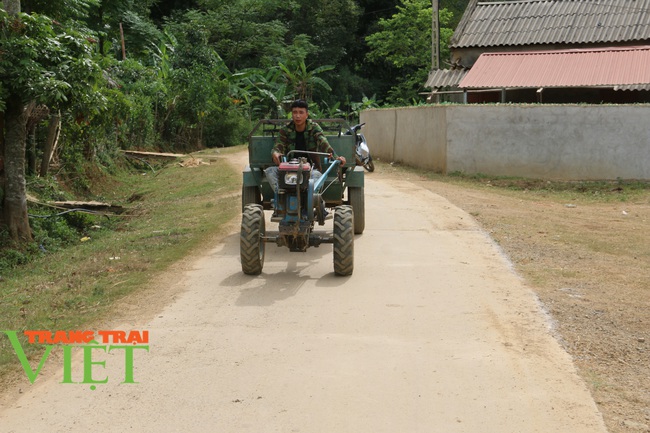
(300, 134)
(297, 191)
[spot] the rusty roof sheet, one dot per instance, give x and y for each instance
(535, 22)
(440, 78)
(625, 68)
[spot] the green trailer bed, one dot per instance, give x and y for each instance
(259, 158)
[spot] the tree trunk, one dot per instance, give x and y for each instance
(14, 206)
(2, 168)
(15, 197)
(52, 135)
(12, 7)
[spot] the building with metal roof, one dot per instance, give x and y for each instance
(548, 26)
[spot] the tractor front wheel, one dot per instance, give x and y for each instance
(343, 240)
(251, 244)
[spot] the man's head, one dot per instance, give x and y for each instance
(299, 103)
(299, 114)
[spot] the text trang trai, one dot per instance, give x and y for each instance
(91, 344)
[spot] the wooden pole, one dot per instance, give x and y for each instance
(50, 142)
(123, 45)
(435, 36)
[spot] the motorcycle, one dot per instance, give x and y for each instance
(362, 154)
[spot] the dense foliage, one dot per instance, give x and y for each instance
(180, 75)
(196, 73)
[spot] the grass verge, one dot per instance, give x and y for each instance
(171, 212)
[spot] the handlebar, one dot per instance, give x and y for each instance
(307, 152)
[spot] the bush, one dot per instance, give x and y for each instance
(53, 232)
(204, 114)
(11, 255)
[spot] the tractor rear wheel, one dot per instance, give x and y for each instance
(250, 195)
(251, 244)
(343, 240)
(357, 201)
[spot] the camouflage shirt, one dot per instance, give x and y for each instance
(315, 140)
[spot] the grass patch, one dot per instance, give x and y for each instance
(597, 191)
(171, 212)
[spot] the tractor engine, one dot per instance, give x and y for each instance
(293, 183)
(293, 204)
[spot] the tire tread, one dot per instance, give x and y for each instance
(343, 240)
(251, 246)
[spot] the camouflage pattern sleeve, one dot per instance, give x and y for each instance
(281, 142)
(321, 141)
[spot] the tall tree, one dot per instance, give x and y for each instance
(60, 10)
(165, 9)
(403, 43)
(245, 33)
(331, 25)
(42, 62)
(14, 203)
(106, 17)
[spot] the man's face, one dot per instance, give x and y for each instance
(299, 116)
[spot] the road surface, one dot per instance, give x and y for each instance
(432, 333)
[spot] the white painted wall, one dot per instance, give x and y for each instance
(539, 141)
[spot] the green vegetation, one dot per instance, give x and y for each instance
(158, 75)
(601, 191)
(83, 80)
(102, 259)
(404, 43)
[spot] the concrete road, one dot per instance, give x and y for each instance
(432, 333)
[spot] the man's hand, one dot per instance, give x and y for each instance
(338, 158)
(277, 158)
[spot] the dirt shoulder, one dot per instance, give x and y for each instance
(587, 258)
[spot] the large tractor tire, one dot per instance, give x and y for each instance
(251, 244)
(357, 201)
(250, 195)
(343, 240)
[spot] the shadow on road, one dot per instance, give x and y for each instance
(284, 274)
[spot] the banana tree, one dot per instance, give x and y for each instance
(303, 81)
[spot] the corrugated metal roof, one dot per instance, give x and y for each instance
(553, 22)
(622, 68)
(440, 78)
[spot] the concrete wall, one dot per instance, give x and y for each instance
(381, 132)
(540, 141)
(413, 136)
